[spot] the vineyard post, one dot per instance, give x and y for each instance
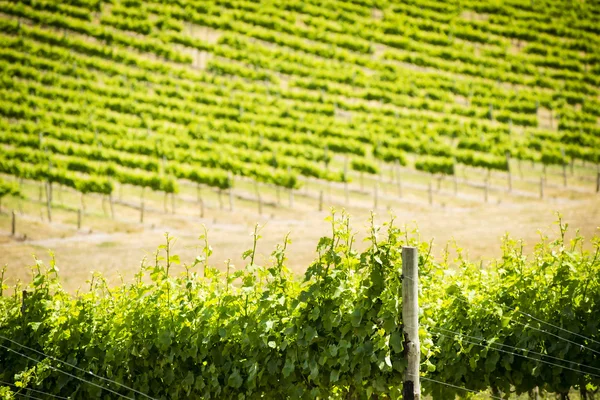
(230, 192)
(291, 189)
(564, 167)
(455, 184)
(520, 169)
(572, 165)
(112, 207)
(439, 182)
(541, 187)
(83, 201)
(375, 196)
(598, 182)
(79, 219)
(49, 200)
(165, 209)
(142, 212)
(430, 193)
(508, 171)
(398, 180)
(346, 180)
(14, 223)
(258, 197)
(410, 319)
(544, 170)
(278, 193)
(486, 190)
(220, 198)
(321, 200)
(362, 181)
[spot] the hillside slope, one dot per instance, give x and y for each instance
(152, 93)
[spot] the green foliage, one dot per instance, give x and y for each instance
(364, 165)
(253, 332)
(9, 189)
(259, 332)
(435, 165)
(485, 310)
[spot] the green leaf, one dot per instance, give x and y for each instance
(356, 318)
(334, 376)
(396, 342)
(288, 368)
(235, 379)
(491, 361)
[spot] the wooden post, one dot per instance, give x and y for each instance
(142, 212)
(278, 194)
(220, 198)
(49, 200)
(572, 164)
(375, 197)
(13, 230)
(439, 182)
(362, 181)
(40, 192)
(321, 200)
(541, 187)
(410, 318)
(230, 191)
(544, 170)
(565, 175)
(455, 184)
(164, 202)
(79, 219)
(346, 194)
(430, 192)
(520, 169)
(598, 182)
(508, 171)
(104, 205)
(112, 207)
(486, 190)
(258, 197)
(399, 183)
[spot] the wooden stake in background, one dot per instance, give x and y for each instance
(79, 219)
(410, 319)
(49, 200)
(230, 190)
(13, 230)
(259, 199)
(430, 193)
(398, 181)
(321, 200)
(508, 171)
(375, 196)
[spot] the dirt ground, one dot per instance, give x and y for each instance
(116, 247)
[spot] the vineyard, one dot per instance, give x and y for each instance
(124, 119)
(166, 95)
(519, 325)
